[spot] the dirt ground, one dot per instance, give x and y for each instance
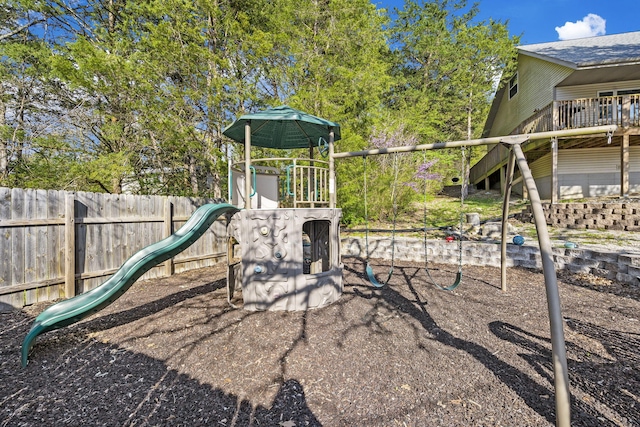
(171, 352)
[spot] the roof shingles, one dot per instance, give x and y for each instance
(614, 49)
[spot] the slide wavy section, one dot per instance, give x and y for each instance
(77, 308)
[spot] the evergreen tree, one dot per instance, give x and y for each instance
(445, 73)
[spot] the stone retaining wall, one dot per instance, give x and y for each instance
(604, 216)
(621, 267)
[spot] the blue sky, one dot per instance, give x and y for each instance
(539, 21)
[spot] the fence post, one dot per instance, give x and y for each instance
(69, 245)
(168, 222)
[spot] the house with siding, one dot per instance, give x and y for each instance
(564, 85)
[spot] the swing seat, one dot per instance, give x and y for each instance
(372, 277)
(450, 287)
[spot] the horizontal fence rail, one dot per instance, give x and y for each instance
(56, 244)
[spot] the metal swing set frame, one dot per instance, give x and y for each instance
(516, 157)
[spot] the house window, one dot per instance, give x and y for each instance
(628, 92)
(513, 86)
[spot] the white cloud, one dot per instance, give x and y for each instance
(590, 26)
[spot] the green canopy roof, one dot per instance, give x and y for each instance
(283, 127)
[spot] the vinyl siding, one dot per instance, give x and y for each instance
(541, 167)
(594, 172)
(536, 82)
(588, 172)
(596, 160)
(591, 91)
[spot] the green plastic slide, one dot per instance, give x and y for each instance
(77, 308)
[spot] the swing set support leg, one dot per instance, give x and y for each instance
(505, 217)
(558, 350)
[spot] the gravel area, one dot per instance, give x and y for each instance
(171, 352)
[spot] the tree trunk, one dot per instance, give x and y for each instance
(466, 158)
(112, 16)
(193, 175)
(215, 183)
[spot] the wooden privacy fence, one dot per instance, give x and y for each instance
(56, 244)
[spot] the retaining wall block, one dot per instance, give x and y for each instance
(615, 227)
(578, 253)
(532, 264)
(602, 211)
(583, 269)
(629, 259)
(591, 263)
(626, 278)
(614, 267)
(450, 260)
(560, 264)
(605, 256)
(580, 212)
(618, 267)
(634, 271)
(615, 205)
(592, 216)
(623, 211)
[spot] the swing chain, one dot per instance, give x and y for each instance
(369, 270)
(426, 252)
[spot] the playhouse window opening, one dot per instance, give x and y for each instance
(315, 246)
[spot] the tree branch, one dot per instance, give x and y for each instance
(20, 29)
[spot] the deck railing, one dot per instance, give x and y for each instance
(623, 111)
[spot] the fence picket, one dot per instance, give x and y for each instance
(6, 270)
(55, 241)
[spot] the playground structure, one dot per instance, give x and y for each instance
(282, 257)
(285, 253)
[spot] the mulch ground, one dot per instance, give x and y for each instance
(171, 352)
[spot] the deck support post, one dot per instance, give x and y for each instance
(554, 170)
(624, 166)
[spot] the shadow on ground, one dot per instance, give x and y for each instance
(608, 400)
